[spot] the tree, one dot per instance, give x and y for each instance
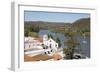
(26, 32)
(50, 36)
(58, 41)
(72, 43)
(34, 28)
(33, 34)
(68, 53)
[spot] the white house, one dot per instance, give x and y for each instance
(34, 46)
(31, 43)
(50, 45)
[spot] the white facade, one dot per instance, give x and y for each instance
(50, 45)
(34, 52)
(31, 43)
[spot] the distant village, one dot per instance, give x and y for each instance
(41, 49)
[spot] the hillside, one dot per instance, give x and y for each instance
(43, 24)
(82, 24)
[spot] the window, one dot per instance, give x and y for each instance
(51, 50)
(44, 52)
(48, 52)
(56, 45)
(43, 47)
(29, 46)
(50, 45)
(46, 47)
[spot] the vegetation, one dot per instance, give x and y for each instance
(31, 30)
(33, 34)
(79, 27)
(82, 26)
(72, 43)
(26, 32)
(68, 53)
(50, 36)
(58, 41)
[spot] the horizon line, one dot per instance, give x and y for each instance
(53, 21)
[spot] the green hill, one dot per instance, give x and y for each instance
(82, 24)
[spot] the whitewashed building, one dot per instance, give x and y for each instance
(50, 45)
(34, 46)
(31, 43)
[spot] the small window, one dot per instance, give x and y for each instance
(51, 50)
(29, 46)
(43, 47)
(44, 52)
(56, 45)
(48, 52)
(46, 47)
(50, 45)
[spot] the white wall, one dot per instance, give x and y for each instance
(5, 40)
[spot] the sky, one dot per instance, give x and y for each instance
(53, 16)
